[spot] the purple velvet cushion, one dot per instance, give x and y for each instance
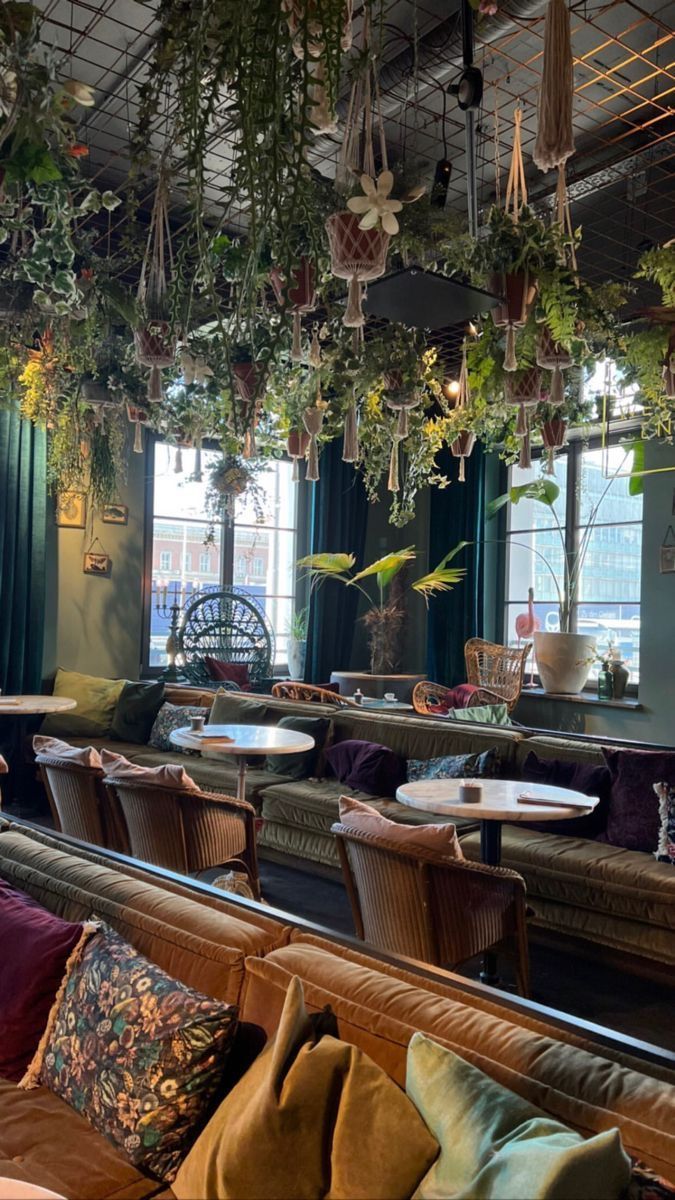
(633, 819)
(367, 767)
(581, 777)
(36, 946)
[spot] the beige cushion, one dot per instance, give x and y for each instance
(169, 775)
(312, 1117)
(96, 700)
(84, 756)
(363, 818)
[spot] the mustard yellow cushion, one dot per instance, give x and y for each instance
(497, 1146)
(96, 701)
(313, 1117)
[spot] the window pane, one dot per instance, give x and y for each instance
(176, 491)
(528, 570)
(176, 545)
(532, 514)
(280, 498)
(597, 469)
(617, 625)
(612, 564)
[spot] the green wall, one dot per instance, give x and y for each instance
(94, 624)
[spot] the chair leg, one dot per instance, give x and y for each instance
(522, 960)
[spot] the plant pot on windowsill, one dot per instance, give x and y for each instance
(564, 661)
(297, 649)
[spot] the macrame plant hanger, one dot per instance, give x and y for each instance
(462, 446)
(155, 341)
(514, 201)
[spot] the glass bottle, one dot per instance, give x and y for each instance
(605, 682)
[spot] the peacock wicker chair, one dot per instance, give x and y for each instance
(293, 690)
(497, 670)
(227, 625)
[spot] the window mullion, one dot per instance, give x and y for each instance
(571, 514)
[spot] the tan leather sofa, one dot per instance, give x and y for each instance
(235, 950)
(619, 899)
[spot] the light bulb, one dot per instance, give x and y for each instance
(451, 389)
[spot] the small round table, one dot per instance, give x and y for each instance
(244, 740)
(499, 803)
(23, 707)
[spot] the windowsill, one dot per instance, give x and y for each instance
(628, 702)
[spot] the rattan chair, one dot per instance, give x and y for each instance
(428, 697)
(81, 807)
(438, 910)
(293, 690)
(188, 831)
(496, 669)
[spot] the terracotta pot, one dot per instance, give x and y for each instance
(135, 413)
(247, 376)
(297, 443)
(155, 344)
(518, 292)
(353, 251)
(523, 387)
(551, 354)
(553, 433)
(463, 444)
(301, 292)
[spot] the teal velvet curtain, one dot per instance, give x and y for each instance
(23, 527)
(456, 514)
(339, 516)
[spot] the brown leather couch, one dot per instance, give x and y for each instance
(236, 950)
(619, 899)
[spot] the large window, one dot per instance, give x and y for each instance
(257, 557)
(608, 602)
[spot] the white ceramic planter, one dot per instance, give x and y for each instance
(564, 661)
(296, 658)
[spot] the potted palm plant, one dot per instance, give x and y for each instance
(385, 617)
(564, 657)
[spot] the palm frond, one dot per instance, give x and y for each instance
(320, 567)
(388, 567)
(443, 579)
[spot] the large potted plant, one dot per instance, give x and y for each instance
(564, 657)
(385, 617)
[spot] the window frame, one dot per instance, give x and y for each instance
(226, 556)
(574, 449)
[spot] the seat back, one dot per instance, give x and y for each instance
(429, 698)
(154, 821)
(79, 803)
(499, 669)
(227, 625)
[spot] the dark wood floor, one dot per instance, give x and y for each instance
(560, 979)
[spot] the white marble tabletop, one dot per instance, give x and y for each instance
(24, 706)
(244, 739)
(499, 800)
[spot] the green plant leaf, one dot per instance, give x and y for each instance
(452, 554)
(327, 564)
(546, 491)
(636, 483)
(388, 567)
(443, 579)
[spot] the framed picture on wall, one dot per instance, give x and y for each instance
(71, 510)
(115, 514)
(97, 564)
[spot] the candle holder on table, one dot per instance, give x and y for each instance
(168, 606)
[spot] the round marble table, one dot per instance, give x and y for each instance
(500, 802)
(23, 707)
(242, 741)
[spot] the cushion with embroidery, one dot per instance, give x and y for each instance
(137, 1053)
(170, 717)
(455, 766)
(665, 845)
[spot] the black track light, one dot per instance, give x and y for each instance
(468, 89)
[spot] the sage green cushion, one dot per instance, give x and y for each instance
(496, 1146)
(233, 708)
(96, 701)
(482, 714)
(136, 710)
(300, 766)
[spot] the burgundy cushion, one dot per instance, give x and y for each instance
(35, 949)
(367, 767)
(633, 818)
(581, 777)
(457, 697)
(228, 671)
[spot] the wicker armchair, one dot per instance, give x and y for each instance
(80, 805)
(438, 910)
(188, 831)
(496, 669)
(429, 698)
(292, 690)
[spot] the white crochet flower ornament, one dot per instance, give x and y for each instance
(375, 204)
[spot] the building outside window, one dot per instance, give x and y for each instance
(608, 601)
(256, 557)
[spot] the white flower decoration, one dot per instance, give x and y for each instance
(81, 93)
(194, 370)
(375, 204)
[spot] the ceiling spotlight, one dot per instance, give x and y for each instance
(439, 190)
(468, 89)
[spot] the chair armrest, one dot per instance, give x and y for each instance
(240, 807)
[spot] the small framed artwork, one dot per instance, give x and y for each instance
(71, 510)
(667, 555)
(97, 564)
(115, 514)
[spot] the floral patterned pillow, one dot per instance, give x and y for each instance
(665, 847)
(138, 1054)
(455, 766)
(170, 717)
